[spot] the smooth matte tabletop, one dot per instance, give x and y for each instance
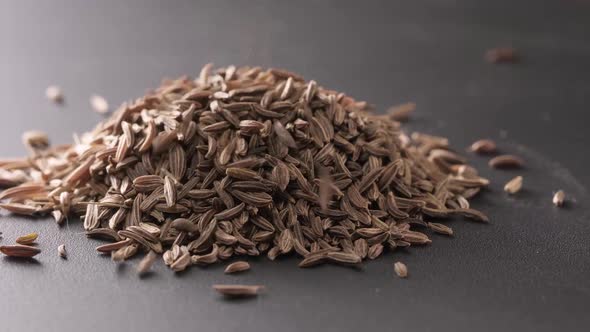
(528, 270)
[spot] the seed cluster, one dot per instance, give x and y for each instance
(246, 161)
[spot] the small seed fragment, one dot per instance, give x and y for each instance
(54, 94)
(559, 198)
(61, 251)
(513, 186)
(400, 269)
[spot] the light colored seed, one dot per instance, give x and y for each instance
(54, 94)
(99, 104)
(400, 269)
(27, 239)
(237, 267)
(61, 251)
(513, 186)
(238, 290)
(559, 198)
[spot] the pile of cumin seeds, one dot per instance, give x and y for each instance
(246, 162)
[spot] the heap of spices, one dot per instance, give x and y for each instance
(245, 162)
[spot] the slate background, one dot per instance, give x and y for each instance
(528, 270)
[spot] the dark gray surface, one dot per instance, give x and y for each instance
(528, 270)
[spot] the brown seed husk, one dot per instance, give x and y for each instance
(19, 250)
(238, 290)
(236, 267)
(506, 161)
(483, 146)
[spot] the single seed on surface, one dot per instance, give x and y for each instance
(19, 250)
(513, 186)
(559, 198)
(506, 161)
(483, 146)
(400, 269)
(27, 239)
(54, 94)
(99, 104)
(61, 251)
(238, 290)
(502, 55)
(235, 267)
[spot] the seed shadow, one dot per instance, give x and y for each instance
(148, 275)
(239, 299)
(121, 268)
(23, 261)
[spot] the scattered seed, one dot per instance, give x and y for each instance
(99, 104)
(483, 146)
(559, 198)
(237, 267)
(401, 269)
(506, 161)
(19, 250)
(54, 94)
(502, 55)
(27, 239)
(61, 251)
(238, 290)
(513, 186)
